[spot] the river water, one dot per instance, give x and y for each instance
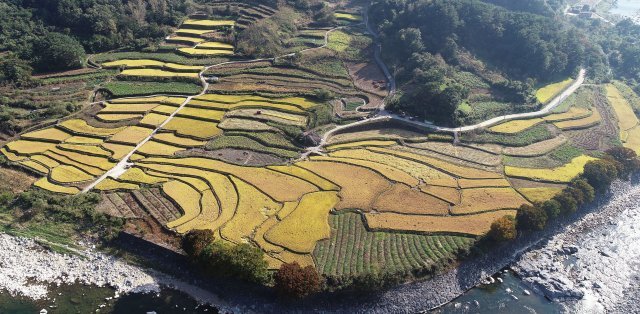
(627, 8)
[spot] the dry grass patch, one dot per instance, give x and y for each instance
(561, 174)
(403, 199)
(488, 199)
(307, 224)
(360, 186)
(391, 173)
(52, 187)
(476, 225)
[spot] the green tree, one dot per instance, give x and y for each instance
(292, 280)
(567, 202)
(627, 158)
(241, 261)
(57, 52)
(15, 71)
(195, 241)
(600, 174)
(552, 207)
(587, 192)
(531, 218)
(503, 229)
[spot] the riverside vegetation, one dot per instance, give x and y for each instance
(198, 126)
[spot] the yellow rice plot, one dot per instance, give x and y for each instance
(226, 193)
(627, 120)
(206, 52)
(215, 45)
(128, 107)
(93, 161)
(83, 140)
(154, 99)
(95, 171)
(308, 176)
(192, 40)
(23, 147)
(572, 114)
(448, 194)
(582, 123)
(158, 73)
(299, 102)
(193, 128)
(131, 135)
(172, 139)
(203, 114)
(303, 260)
(246, 104)
(47, 161)
(136, 157)
(254, 207)
(210, 23)
(560, 174)
(118, 151)
(287, 208)
(307, 224)
(539, 194)
(391, 173)
(87, 149)
(115, 117)
(359, 186)
(68, 174)
(153, 119)
(515, 126)
(35, 166)
(476, 225)
(11, 156)
(348, 17)
(360, 144)
(142, 63)
(153, 148)
(81, 127)
(479, 183)
(418, 170)
(209, 213)
(459, 171)
(164, 109)
(44, 183)
(258, 236)
(49, 134)
(546, 93)
(110, 184)
(138, 176)
(277, 185)
(187, 31)
(488, 199)
(186, 197)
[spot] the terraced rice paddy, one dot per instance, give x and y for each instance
(561, 174)
(627, 119)
(546, 93)
(515, 126)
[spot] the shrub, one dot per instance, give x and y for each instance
(567, 202)
(531, 218)
(291, 280)
(600, 174)
(241, 261)
(57, 52)
(503, 229)
(552, 207)
(195, 241)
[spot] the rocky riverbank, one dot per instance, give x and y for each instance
(27, 269)
(594, 264)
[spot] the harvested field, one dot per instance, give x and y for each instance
(236, 156)
(402, 199)
(536, 149)
(448, 194)
(352, 250)
(488, 199)
(559, 174)
(539, 194)
(475, 225)
(515, 126)
(599, 137)
(360, 186)
(306, 224)
(479, 183)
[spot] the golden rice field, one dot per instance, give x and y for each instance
(109, 184)
(546, 93)
(348, 16)
(539, 194)
(80, 127)
(208, 23)
(146, 63)
(627, 119)
(571, 114)
(360, 144)
(196, 129)
(215, 45)
(488, 199)
(68, 174)
(50, 134)
(581, 123)
(45, 184)
(561, 174)
(131, 135)
(158, 73)
(516, 126)
(206, 52)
